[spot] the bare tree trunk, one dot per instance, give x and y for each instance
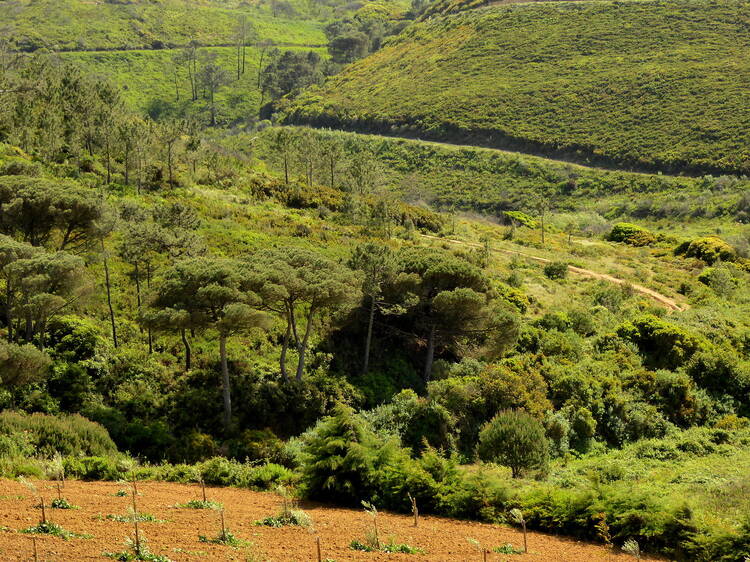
(137, 277)
(430, 354)
(9, 309)
(226, 393)
(188, 350)
(303, 345)
(368, 341)
(284, 348)
(176, 84)
(109, 294)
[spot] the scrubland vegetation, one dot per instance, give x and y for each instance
(424, 327)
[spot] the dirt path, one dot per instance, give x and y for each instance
(176, 535)
(582, 161)
(663, 300)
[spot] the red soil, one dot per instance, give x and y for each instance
(177, 537)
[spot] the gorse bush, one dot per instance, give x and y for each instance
(710, 249)
(631, 234)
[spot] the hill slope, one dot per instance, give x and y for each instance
(648, 85)
(75, 25)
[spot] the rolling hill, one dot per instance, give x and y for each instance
(658, 86)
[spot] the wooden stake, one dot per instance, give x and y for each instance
(44, 512)
(135, 525)
(137, 537)
(414, 510)
(317, 542)
(223, 528)
(36, 554)
(525, 548)
(59, 491)
(203, 487)
(484, 555)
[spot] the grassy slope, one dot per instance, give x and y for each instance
(647, 84)
(79, 25)
(490, 181)
(147, 75)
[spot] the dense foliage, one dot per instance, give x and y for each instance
(285, 307)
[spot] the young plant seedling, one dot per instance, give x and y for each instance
(414, 510)
(631, 547)
(517, 516)
(372, 511)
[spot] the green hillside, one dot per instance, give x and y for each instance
(658, 85)
(74, 25)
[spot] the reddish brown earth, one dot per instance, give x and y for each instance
(177, 537)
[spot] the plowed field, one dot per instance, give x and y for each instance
(176, 534)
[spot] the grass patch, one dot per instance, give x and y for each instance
(390, 547)
(62, 503)
(226, 538)
(139, 551)
(200, 504)
(53, 530)
(294, 517)
(507, 549)
(131, 518)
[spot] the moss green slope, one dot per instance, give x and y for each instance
(646, 84)
(80, 25)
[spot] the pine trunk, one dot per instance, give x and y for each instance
(226, 393)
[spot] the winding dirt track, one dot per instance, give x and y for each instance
(663, 300)
(176, 535)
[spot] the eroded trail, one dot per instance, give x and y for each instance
(175, 534)
(663, 300)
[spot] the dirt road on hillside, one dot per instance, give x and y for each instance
(663, 300)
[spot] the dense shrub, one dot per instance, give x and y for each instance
(556, 270)
(340, 459)
(663, 343)
(67, 435)
(514, 438)
(710, 249)
(631, 234)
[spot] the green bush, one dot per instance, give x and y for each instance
(664, 344)
(67, 435)
(340, 459)
(631, 234)
(514, 438)
(556, 270)
(94, 468)
(710, 249)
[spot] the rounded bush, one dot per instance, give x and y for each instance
(556, 270)
(631, 234)
(515, 439)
